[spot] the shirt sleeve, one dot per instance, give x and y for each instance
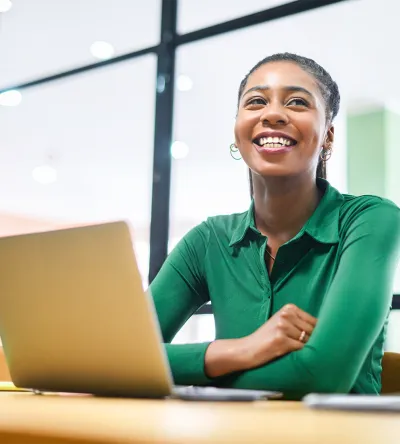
(178, 291)
(352, 315)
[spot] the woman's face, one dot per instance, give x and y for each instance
(281, 122)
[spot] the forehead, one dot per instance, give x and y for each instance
(281, 74)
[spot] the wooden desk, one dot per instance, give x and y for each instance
(34, 419)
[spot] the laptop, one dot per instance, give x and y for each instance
(74, 318)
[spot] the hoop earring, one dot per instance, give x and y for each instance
(325, 155)
(234, 149)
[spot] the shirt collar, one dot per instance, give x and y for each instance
(246, 223)
(323, 225)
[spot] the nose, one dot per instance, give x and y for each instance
(274, 114)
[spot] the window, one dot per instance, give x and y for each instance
(194, 15)
(41, 37)
(94, 132)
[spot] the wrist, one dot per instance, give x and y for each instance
(256, 352)
(225, 356)
(245, 351)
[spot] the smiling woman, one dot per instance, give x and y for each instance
(305, 275)
(286, 104)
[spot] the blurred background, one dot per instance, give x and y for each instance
(80, 86)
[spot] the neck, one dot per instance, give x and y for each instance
(282, 205)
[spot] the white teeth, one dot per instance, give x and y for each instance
(273, 145)
(279, 141)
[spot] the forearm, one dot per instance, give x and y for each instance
(201, 363)
(226, 356)
(295, 374)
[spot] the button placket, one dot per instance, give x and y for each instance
(267, 289)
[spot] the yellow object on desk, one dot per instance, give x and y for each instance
(7, 386)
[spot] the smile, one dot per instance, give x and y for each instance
(274, 142)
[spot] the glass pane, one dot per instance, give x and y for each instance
(42, 37)
(397, 281)
(194, 15)
(199, 328)
(95, 133)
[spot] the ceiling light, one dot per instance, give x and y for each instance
(102, 50)
(5, 5)
(44, 174)
(184, 83)
(179, 150)
(10, 98)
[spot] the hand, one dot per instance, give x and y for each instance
(278, 336)
(281, 334)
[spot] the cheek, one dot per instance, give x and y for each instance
(236, 131)
(243, 128)
(313, 131)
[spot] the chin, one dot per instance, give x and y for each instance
(272, 170)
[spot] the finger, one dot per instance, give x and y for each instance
(306, 317)
(304, 326)
(304, 337)
(291, 310)
(293, 344)
(298, 317)
(293, 332)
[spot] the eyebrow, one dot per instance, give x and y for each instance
(285, 88)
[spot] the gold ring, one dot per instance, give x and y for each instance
(302, 336)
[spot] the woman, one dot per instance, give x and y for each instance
(301, 283)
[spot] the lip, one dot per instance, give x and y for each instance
(263, 150)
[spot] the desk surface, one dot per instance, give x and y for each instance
(32, 419)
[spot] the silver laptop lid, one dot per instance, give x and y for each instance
(74, 316)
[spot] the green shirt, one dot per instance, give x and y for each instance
(339, 268)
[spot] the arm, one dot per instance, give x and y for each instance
(178, 290)
(353, 313)
(281, 334)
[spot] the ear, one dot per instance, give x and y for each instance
(329, 138)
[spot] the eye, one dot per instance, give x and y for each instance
(256, 101)
(297, 101)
